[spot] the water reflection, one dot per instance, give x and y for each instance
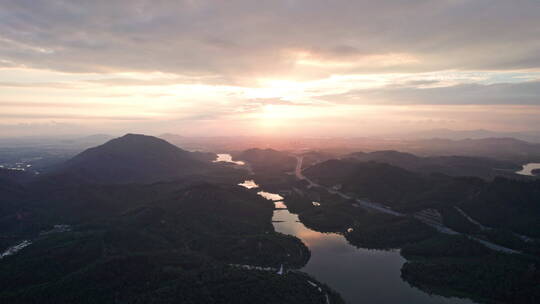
(358, 274)
(527, 169)
(228, 159)
(14, 249)
(270, 196)
(249, 184)
(280, 205)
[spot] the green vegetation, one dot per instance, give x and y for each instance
(176, 248)
(267, 161)
(509, 239)
(369, 229)
(381, 231)
(492, 278)
(502, 203)
(298, 201)
(456, 221)
(334, 214)
(449, 165)
(507, 204)
(193, 238)
(326, 219)
(175, 277)
(134, 158)
(441, 264)
(445, 246)
(458, 266)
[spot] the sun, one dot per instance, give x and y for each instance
(271, 117)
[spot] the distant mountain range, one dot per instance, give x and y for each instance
(450, 165)
(479, 143)
(72, 142)
(267, 160)
(517, 147)
(533, 137)
(500, 148)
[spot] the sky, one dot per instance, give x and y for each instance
(243, 67)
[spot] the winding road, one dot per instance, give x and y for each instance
(381, 208)
(364, 203)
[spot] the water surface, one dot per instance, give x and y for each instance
(359, 275)
(270, 196)
(527, 169)
(249, 184)
(228, 159)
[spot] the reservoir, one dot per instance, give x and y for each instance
(527, 169)
(227, 158)
(357, 274)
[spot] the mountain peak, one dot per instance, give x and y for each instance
(138, 137)
(134, 158)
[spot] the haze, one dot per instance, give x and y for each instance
(306, 68)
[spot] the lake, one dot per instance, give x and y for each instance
(359, 275)
(227, 158)
(527, 169)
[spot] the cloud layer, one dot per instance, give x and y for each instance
(242, 39)
(241, 60)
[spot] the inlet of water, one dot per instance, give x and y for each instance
(360, 275)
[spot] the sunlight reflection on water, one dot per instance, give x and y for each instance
(270, 196)
(527, 169)
(249, 184)
(356, 273)
(227, 158)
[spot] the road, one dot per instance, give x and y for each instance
(381, 208)
(364, 203)
(521, 236)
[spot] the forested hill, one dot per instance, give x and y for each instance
(500, 203)
(133, 158)
(483, 167)
(178, 248)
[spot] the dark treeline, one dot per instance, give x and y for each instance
(501, 203)
(173, 249)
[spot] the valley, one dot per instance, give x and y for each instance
(356, 273)
(270, 152)
(262, 216)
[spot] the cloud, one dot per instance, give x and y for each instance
(73, 117)
(239, 40)
(524, 93)
(229, 65)
(49, 85)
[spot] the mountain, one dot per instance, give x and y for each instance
(180, 248)
(376, 181)
(472, 134)
(507, 204)
(506, 148)
(134, 158)
(314, 157)
(267, 160)
(501, 203)
(65, 142)
(450, 165)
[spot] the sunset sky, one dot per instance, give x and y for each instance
(305, 68)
